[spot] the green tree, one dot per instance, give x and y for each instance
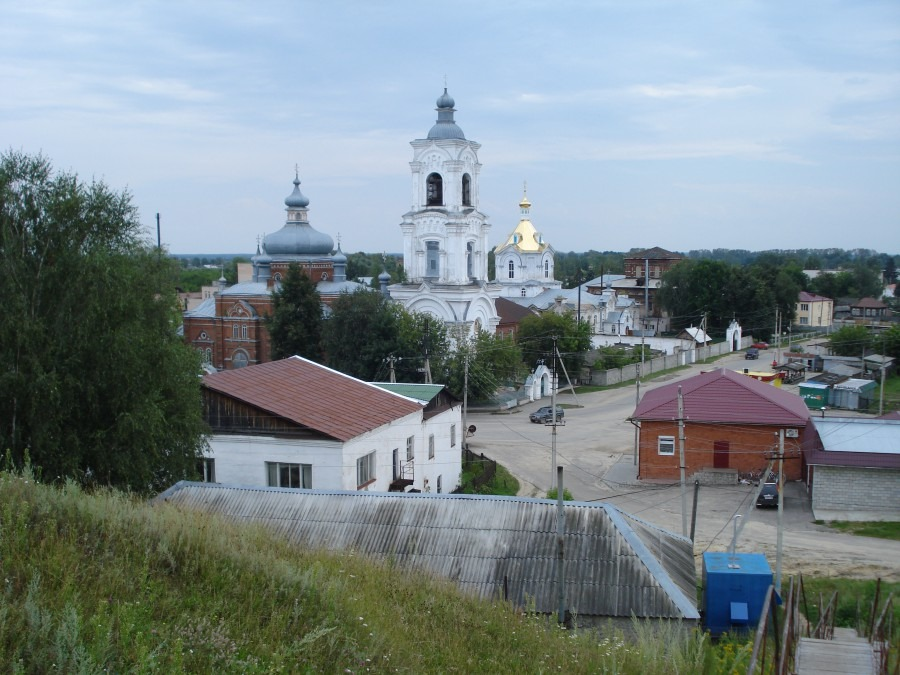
(889, 341)
(536, 340)
(417, 335)
(486, 363)
(850, 340)
(95, 385)
(295, 325)
(361, 333)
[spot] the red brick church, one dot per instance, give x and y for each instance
(229, 329)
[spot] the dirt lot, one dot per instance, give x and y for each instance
(595, 446)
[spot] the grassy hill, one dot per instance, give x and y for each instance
(106, 582)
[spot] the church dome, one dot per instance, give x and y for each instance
(445, 127)
(445, 100)
(296, 199)
(299, 239)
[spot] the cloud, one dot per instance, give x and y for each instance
(693, 91)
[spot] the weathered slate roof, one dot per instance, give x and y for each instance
(313, 396)
(726, 397)
(616, 565)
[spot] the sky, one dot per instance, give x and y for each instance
(683, 124)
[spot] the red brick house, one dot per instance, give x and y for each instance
(730, 422)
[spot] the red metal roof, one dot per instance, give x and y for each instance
(313, 396)
(806, 296)
(726, 397)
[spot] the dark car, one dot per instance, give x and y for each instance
(768, 496)
(545, 414)
(752, 353)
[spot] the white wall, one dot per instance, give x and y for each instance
(241, 460)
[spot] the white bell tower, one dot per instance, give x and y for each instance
(445, 236)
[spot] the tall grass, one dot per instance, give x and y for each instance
(103, 582)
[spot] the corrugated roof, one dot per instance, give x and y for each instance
(616, 565)
(420, 392)
(724, 396)
(852, 434)
(313, 396)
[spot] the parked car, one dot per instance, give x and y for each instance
(760, 345)
(545, 414)
(752, 353)
(768, 496)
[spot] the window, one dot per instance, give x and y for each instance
(804, 320)
(440, 484)
(804, 306)
(410, 448)
(431, 447)
(365, 470)
(434, 190)
(289, 475)
(666, 445)
(206, 467)
(452, 435)
(466, 190)
(244, 333)
(235, 331)
(240, 359)
(470, 259)
(546, 269)
(512, 269)
(523, 292)
(432, 259)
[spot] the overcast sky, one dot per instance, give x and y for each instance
(636, 123)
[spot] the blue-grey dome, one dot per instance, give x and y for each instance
(384, 276)
(445, 127)
(339, 256)
(296, 199)
(299, 239)
(445, 100)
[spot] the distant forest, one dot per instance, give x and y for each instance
(573, 268)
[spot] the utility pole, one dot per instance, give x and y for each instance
(778, 546)
(553, 382)
(465, 429)
(427, 361)
(392, 377)
(560, 547)
(777, 336)
(684, 527)
(637, 402)
(881, 396)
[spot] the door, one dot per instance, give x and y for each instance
(720, 454)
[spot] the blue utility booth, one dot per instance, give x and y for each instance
(734, 590)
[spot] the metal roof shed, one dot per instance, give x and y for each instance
(853, 394)
(616, 565)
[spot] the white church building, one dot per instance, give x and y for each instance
(445, 236)
(523, 265)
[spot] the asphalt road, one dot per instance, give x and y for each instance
(595, 447)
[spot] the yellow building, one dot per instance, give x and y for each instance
(814, 310)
